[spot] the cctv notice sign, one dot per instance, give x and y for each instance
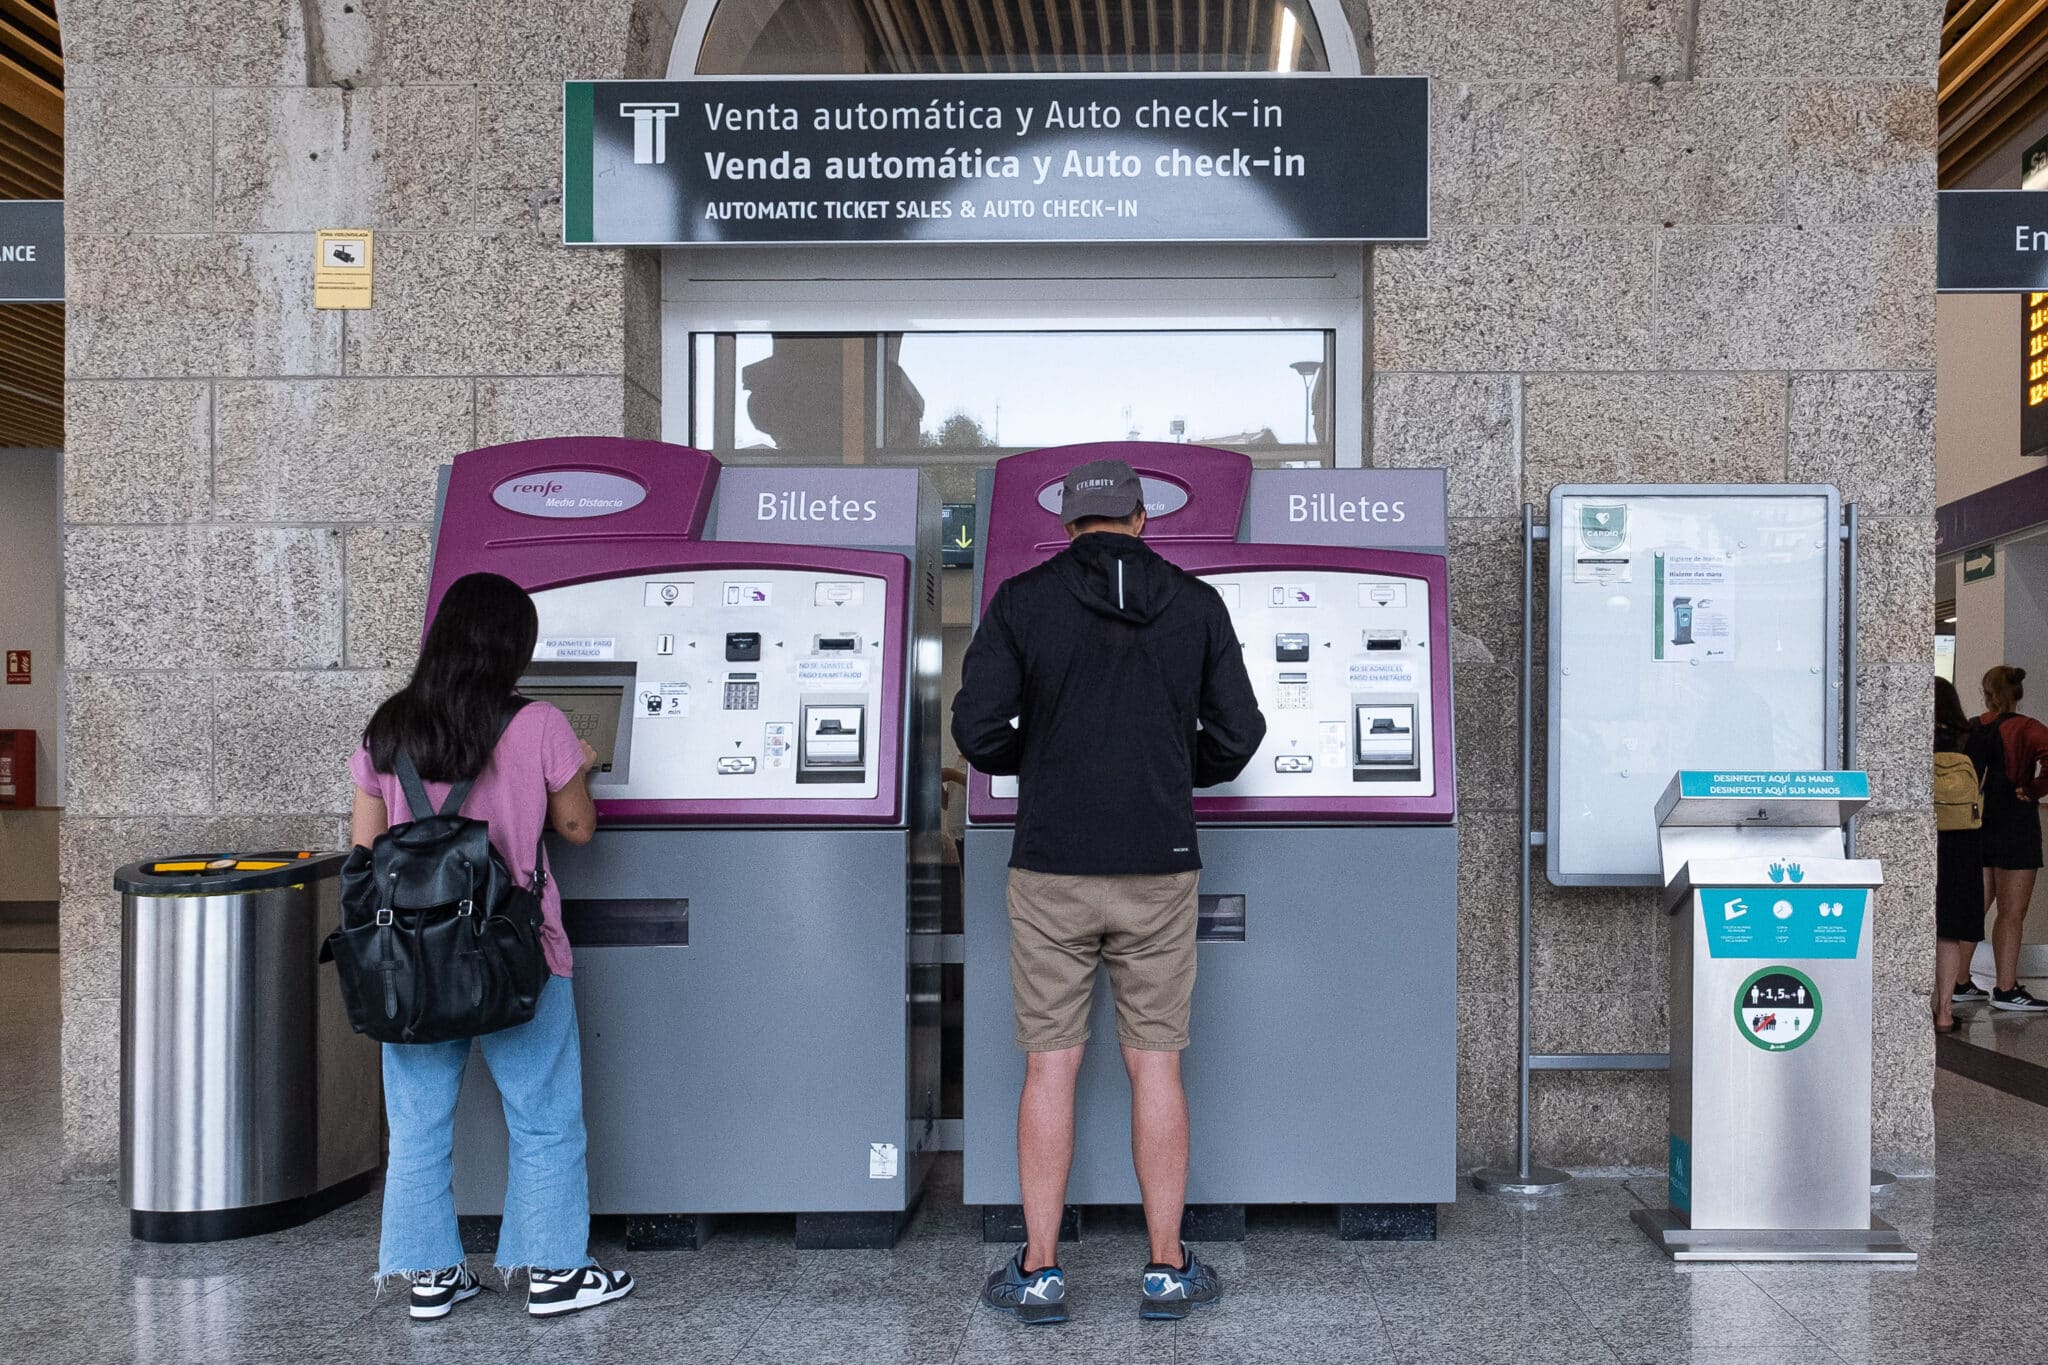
(1024, 159)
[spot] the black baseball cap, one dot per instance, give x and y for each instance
(1100, 488)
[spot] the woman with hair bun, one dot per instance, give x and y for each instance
(2012, 828)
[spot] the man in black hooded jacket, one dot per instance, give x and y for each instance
(1111, 684)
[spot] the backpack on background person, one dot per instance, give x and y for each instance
(438, 938)
(1958, 791)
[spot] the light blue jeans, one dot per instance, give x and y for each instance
(539, 1070)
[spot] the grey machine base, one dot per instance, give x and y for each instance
(759, 1014)
(1323, 1068)
(1683, 1243)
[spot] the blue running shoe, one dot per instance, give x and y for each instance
(1037, 1297)
(1172, 1291)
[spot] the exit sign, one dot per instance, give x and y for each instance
(1980, 564)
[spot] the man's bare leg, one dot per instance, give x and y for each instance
(1159, 1146)
(1045, 1149)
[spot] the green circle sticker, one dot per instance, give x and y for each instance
(1777, 1008)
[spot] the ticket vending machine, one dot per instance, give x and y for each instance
(753, 654)
(1323, 1065)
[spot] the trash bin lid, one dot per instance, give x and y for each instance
(225, 874)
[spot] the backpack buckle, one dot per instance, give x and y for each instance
(384, 916)
(465, 907)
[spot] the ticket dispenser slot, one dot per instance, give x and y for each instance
(1383, 740)
(832, 743)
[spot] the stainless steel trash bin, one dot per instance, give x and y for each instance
(247, 1103)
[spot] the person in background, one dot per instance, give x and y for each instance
(447, 718)
(1963, 756)
(1111, 683)
(2012, 828)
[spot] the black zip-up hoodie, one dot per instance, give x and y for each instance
(1107, 656)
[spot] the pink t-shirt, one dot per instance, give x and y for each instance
(537, 754)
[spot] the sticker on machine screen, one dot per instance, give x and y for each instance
(838, 673)
(577, 647)
(1777, 1008)
(881, 1161)
(1383, 675)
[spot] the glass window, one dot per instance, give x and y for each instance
(936, 37)
(963, 398)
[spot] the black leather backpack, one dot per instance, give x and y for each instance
(438, 940)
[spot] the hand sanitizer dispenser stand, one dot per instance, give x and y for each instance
(1771, 930)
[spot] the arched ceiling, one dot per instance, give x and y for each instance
(31, 167)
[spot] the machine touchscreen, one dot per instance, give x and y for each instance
(593, 714)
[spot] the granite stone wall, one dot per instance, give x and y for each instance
(1675, 239)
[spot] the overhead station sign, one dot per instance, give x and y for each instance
(31, 251)
(1027, 159)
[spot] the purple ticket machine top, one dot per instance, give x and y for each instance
(1323, 1066)
(753, 654)
(721, 681)
(1347, 643)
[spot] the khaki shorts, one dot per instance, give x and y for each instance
(1062, 928)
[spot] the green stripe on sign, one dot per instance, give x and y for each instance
(578, 120)
(1658, 597)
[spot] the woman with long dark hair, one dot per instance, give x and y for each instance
(459, 719)
(2012, 828)
(1959, 860)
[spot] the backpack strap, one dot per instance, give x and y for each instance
(416, 798)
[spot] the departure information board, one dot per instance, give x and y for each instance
(2034, 376)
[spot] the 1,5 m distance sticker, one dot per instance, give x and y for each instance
(1777, 1008)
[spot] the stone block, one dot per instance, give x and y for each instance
(290, 735)
(1894, 703)
(515, 177)
(1486, 592)
(1488, 739)
(1656, 40)
(1896, 578)
(1902, 930)
(555, 40)
(1480, 38)
(506, 304)
(1793, 297)
(336, 450)
(1817, 39)
(1489, 901)
(1870, 435)
(641, 280)
(1595, 933)
(1600, 1119)
(1573, 1019)
(1902, 1084)
(91, 1052)
(137, 452)
(384, 158)
(139, 743)
(197, 596)
(1468, 425)
(169, 307)
(1489, 1082)
(1493, 299)
(528, 409)
(387, 594)
(644, 414)
(236, 42)
(137, 159)
(1807, 153)
(1478, 152)
(1651, 428)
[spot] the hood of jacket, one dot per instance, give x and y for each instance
(1117, 576)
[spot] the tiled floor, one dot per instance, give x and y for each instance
(1565, 1281)
(2001, 1048)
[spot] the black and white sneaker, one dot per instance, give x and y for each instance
(550, 1293)
(1968, 992)
(2018, 999)
(436, 1292)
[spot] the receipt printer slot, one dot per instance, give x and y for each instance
(832, 745)
(1383, 740)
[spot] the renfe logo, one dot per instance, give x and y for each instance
(1162, 496)
(568, 493)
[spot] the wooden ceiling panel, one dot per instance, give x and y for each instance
(31, 167)
(1993, 79)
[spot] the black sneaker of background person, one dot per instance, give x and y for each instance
(436, 1292)
(1969, 993)
(2018, 999)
